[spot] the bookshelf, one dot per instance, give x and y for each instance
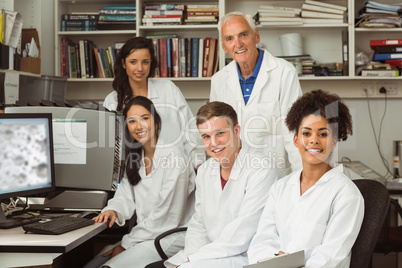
(324, 42)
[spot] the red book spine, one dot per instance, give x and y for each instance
(211, 60)
(207, 42)
(163, 57)
(394, 62)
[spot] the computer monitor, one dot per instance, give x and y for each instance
(84, 149)
(26, 158)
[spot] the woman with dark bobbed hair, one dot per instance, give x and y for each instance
(317, 209)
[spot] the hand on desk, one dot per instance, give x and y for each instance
(114, 251)
(108, 215)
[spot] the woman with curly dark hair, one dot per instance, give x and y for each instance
(317, 209)
(134, 68)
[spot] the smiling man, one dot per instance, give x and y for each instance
(231, 190)
(260, 87)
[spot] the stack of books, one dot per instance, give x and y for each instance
(277, 15)
(387, 51)
(202, 14)
(79, 22)
(377, 15)
(316, 12)
(377, 69)
(117, 18)
(163, 14)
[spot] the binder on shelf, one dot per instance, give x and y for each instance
(394, 62)
(389, 49)
(386, 56)
(385, 42)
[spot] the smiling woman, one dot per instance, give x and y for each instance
(317, 209)
(158, 187)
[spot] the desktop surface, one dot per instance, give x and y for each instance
(16, 240)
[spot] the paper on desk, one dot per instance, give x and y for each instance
(33, 49)
(12, 28)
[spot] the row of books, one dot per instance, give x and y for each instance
(186, 57)
(379, 15)
(109, 18)
(177, 14)
(83, 59)
(387, 58)
(310, 12)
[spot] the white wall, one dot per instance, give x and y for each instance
(361, 146)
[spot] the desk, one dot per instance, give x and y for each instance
(19, 249)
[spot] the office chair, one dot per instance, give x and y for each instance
(162, 235)
(390, 239)
(376, 204)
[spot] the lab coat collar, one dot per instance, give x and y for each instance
(295, 179)
(152, 95)
(237, 166)
(267, 65)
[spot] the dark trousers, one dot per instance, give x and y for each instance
(158, 264)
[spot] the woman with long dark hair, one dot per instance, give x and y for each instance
(158, 187)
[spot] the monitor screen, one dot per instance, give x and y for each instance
(26, 155)
(84, 146)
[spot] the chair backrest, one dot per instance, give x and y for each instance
(376, 204)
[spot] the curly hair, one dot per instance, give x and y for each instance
(121, 83)
(329, 106)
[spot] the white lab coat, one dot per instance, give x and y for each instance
(178, 122)
(263, 118)
(162, 200)
(324, 221)
(226, 220)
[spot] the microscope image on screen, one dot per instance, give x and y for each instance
(25, 156)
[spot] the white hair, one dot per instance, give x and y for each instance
(230, 15)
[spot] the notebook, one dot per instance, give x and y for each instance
(292, 260)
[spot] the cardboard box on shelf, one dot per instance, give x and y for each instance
(30, 64)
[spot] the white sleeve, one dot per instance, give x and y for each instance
(340, 234)
(169, 211)
(196, 235)
(213, 94)
(235, 238)
(266, 241)
(122, 202)
(290, 92)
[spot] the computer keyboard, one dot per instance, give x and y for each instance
(57, 225)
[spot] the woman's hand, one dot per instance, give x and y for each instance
(114, 251)
(108, 215)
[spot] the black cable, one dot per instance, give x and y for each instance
(384, 161)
